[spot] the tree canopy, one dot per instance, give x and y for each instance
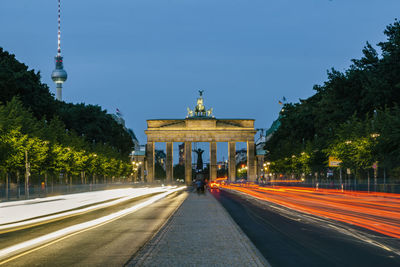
(89, 121)
(354, 115)
(52, 149)
(57, 137)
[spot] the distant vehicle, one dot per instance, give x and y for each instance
(221, 181)
(214, 185)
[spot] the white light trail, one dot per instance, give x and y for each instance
(132, 193)
(19, 248)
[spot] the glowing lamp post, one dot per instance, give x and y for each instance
(135, 168)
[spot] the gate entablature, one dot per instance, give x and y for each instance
(200, 130)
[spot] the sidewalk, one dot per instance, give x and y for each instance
(200, 233)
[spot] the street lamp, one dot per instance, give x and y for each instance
(266, 168)
(135, 168)
(375, 135)
(242, 170)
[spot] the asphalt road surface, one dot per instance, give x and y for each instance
(289, 238)
(110, 244)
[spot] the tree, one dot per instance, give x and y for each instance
(179, 172)
(159, 171)
(350, 106)
(36, 102)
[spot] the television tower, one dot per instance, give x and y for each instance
(59, 75)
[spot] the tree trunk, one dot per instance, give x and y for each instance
(7, 180)
(384, 180)
(66, 181)
(18, 188)
(27, 174)
(355, 178)
(45, 182)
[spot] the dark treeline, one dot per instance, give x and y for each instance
(89, 121)
(79, 141)
(354, 116)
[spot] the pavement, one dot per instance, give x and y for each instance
(200, 233)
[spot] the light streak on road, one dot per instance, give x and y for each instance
(19, 248)
(20, 210)
(286, 181)
(131, 193)
(378, 212)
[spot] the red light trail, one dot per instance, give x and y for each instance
(378, 212)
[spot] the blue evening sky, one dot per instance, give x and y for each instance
(150, 57)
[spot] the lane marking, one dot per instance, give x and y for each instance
(73, 230)
(34, 222)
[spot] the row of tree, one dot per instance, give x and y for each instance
(41, 137)
(89, 121)
(354, 116)
(45, 148)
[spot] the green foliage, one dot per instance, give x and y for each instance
(388, 126)
(84, 120)
(96, 126)
(354, 116)
(17, 80)
(50, 148)
(356, 143)
(179, 171)
(159, 171)
(55, 136)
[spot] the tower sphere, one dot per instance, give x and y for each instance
(59, 75)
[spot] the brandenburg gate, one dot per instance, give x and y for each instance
(201, 126)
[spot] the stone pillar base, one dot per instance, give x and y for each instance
(188, 163)
(169, 162)
(232, 161)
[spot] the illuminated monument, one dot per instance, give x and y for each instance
(201, 126)
(59, 75)
(200, 110)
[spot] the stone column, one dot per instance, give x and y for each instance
(150, 161)
(260, 165)
(142, 168)
(251, 164)
(188, 163)
(213, 161)
(232, 161)
(169, 168)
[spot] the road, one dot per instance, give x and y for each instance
(109, 244)
(287, 237)
(376, 211)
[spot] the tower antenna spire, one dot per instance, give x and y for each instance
(59, 29)
(59, 75)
